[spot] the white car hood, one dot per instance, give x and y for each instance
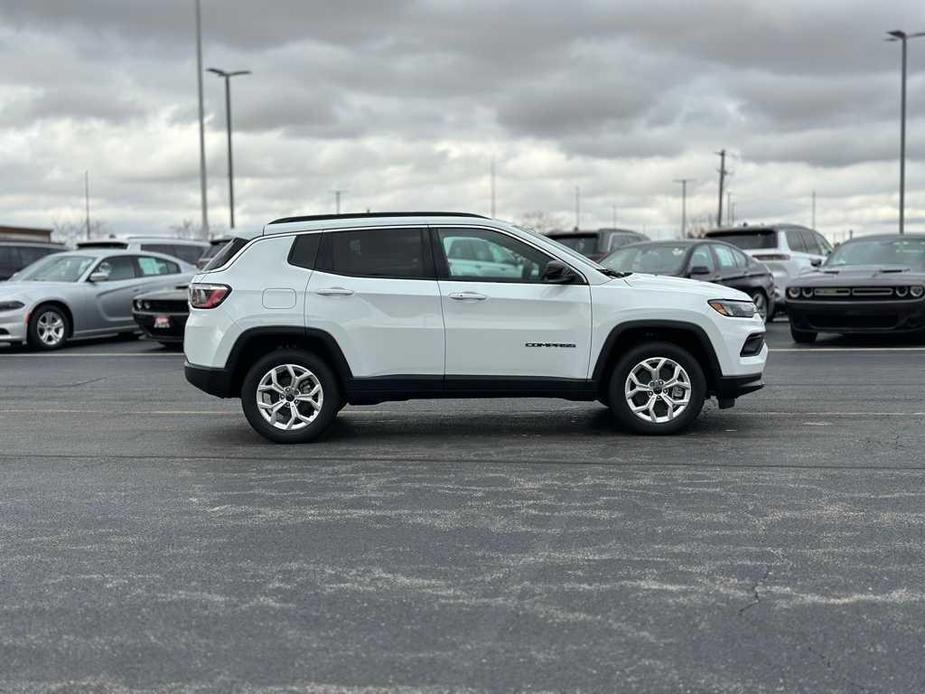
(680, 284)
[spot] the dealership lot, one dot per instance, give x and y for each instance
(152, 540)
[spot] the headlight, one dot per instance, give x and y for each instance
(917, 291)
(734, 309)
(11, 305)
(793, 292)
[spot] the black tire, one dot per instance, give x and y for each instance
(172, 346)
(47, 314)
(331, 400)
(628, 362)
(803, 337)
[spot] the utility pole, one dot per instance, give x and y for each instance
(729, 218)
(722, 181)
(813, 226)
(902, 36)
(204, 226)
(337, 195)
(87, 200)
(683, 182)
(492, 187)
(613, 215)
(577, 207)
(227, 76)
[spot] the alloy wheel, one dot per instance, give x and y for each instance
(658, 390)
(761, 303)
(50, 328)
(289, 397)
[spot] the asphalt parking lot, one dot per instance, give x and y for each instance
(152, 541)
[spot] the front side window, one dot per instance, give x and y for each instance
(701, 257)
(151, 266)
(59, 268)
(118, 267)
(480, 254)
(386, 253)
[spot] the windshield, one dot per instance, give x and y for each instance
(586, 245)
(58, 268)
(905, 252)
(665, 259)
(749, 240)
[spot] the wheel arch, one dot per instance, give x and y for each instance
(690, 336)
(257, 342)
(60, 304)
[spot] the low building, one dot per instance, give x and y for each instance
(8, 233)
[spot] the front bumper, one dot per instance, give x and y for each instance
(13, 325)
(173, 333)
(728, 388)
(857, 317)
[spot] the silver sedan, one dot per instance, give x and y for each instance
(77, 294)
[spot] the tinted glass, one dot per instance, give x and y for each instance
(726, 258)
(394, 253)
(823, 243)
(703, 258)
(902, 252)
(29, 254)
(188, 253)
(748, 240)
(622, 238)
(165, 248)
(150, 266)
(305, 250)
(119, 267)
(59, 268)
(810, 243)
(479, 254)
(586, 245)
(225, 254)
(795, 241)
(9, 260)
(661, 259)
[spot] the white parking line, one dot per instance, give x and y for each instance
(420, 413)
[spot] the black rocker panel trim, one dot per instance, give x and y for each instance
(368, 391)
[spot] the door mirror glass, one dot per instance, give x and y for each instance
(557, 272)
(99, 276)
(700, 270)
(816, 262)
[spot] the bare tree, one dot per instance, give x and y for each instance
(541, 222)
(185, 229)
(70, 231)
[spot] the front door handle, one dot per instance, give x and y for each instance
(334, 291)
(468, 296)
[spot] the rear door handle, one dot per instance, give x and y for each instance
(334, 291)
(468, 296)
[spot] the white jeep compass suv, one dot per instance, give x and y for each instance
(318, 312)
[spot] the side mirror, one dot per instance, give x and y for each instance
(98, 276)
(557, 272)
(816, 262)
(699, 270)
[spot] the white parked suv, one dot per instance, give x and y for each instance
(318, 312)
(788, 250)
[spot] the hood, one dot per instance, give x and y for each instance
(665, 283)
(861, 274)
(18, 290)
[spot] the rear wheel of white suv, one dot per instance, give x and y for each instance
(657, 388)
(290, 396)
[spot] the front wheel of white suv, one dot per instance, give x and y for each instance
(290, 396)
(657, 388)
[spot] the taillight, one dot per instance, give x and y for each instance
(207, 295)
(771, 256)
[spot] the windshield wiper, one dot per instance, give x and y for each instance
(613, 273)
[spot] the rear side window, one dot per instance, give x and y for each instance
(225, 254)
(9, 260)
(305, 250)
(795, 241)
(188, 253)
(387, 253)
(748, 240)
(150, 266)
(586, 245)
(29, 254)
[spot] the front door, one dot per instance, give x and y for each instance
(501, 319)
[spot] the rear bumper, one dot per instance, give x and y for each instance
(174, 333)
(215, 382)
(849, 317)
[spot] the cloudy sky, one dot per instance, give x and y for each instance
(403, 104)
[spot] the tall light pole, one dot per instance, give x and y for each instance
(722, 179)
(337, 196)
(683, 182)
(492, 187)
(577, 206)
(204, 230)
(898, 35)
(228, 76)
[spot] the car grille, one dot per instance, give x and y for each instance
(162, 305)
(864, 322)
(864, 293)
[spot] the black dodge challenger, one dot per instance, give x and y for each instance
(873, 284)
(162, 314)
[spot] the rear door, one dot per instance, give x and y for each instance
(375, 292)
(506, 321)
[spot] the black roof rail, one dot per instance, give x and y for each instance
(372, 215)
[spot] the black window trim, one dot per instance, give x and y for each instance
(443, 269)
(323, 260)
